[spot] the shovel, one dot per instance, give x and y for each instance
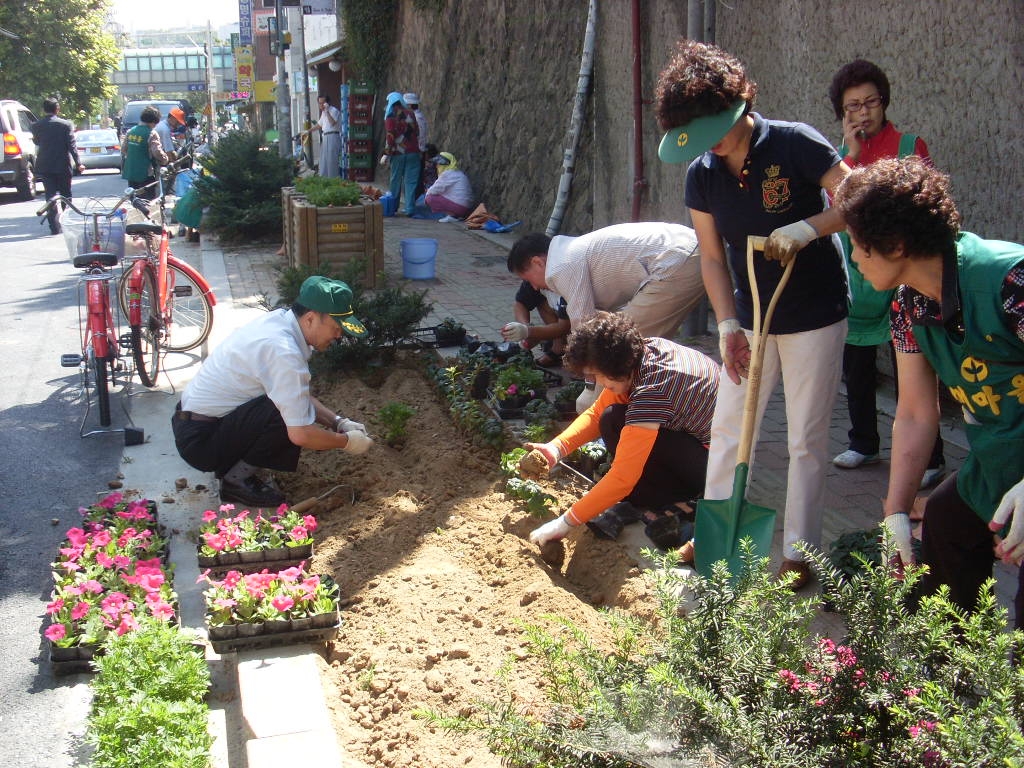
(722, 525)
(308, 504)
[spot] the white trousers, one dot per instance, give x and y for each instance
(811, 365)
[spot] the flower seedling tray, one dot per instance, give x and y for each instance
(254, 561)
(264, 639)
(72, 661)
(509, 408)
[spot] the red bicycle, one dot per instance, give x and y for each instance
(95, 240)
(168, 303)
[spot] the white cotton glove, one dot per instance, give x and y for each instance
(786, 242)
(553, 531)
(358, 442)
(1010, 549)
(383, 160)
(515, 331)
(341, 424)
(896, 529)
(725, 329)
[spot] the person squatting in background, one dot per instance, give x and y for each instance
(452, 193)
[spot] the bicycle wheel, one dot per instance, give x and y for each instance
(97, 366)
(190, 312)
(146, 335)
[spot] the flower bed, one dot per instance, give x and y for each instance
(248, 542)
(110, 571)
(270, 608)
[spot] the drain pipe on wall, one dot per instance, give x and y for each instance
(639, 182)
(576, 124)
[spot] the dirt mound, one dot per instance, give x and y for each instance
(436, 574)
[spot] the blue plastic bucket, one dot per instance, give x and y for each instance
(389, 204)
(418, 256)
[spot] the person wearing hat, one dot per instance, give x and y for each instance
(402, 151)
(250, 405)
(412, 102)
(329, 125)
(452, 193)
(142, 152)
(957, 317)
(753, 176)
(166, 127)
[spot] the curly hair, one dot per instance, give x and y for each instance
(857, 72)
(609, 343)
(526, 247)
(899, 202)
(699, 80)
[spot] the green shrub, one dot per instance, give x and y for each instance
(243, 188)
(321, 191)
(148, 707)
(737, 678)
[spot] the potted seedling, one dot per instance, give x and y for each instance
(565, 399)
(588, 458)
(514, 385)
(449, 333)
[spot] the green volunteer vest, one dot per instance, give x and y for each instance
(137, 163)
(868, 321)
(984, 371)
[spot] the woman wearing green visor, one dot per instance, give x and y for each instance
(753, 176)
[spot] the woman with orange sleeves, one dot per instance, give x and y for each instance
(654, 415)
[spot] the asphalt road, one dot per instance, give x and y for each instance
(48, 471)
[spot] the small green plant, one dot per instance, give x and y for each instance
(509, 461)
(395, 418)
(542, 414)
(565, 397)
(148, 708)
(450, 325)
(536, 500)
(537, 433)
(323, 191)
(366, 677)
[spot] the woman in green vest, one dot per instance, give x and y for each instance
(958, 313)
(141, 152)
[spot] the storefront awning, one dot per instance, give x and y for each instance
(323, 54)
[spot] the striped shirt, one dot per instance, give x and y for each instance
(676, 388)
(604, 270)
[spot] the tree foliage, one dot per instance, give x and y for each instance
(62, 51)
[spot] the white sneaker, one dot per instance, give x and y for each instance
(852, 459)
(447, 220)
(932, 476)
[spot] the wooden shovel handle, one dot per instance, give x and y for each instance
(757, 346)
(305, 505)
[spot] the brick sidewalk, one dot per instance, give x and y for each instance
(473, 285)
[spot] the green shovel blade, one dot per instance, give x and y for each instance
(722, 525)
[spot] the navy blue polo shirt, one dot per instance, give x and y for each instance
(531, 298)
(781, 184)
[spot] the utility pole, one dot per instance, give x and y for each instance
(284, 112)
(210, 85)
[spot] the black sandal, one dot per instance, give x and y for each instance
(667, 527)
(609, 524)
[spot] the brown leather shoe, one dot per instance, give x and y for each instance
(801, 570)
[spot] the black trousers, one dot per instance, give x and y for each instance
(254, 433)
(957, 546)
(860, 370)
(675, 470)
(55, 184)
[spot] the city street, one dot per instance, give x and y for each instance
(48, 472)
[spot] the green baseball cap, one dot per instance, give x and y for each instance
(334, 298)
(685, 142)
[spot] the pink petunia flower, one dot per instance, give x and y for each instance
(162, 611)
(128, 624)
(282, 603)
(209, 516)
(56, 632)
(55, 606)
(79, 611)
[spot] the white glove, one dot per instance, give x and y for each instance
(786, 242)
(341, 424)
(515, 331)
(383, 160)
(553, 531)
(725, 329)
(1010, 549)
(358, 442)
(896, 529)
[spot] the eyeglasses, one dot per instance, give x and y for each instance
(856, 106)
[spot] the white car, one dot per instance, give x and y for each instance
(99, 148)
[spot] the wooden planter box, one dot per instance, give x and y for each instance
(288, 221)
(338, 235)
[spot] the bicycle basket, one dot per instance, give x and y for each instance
(82, 236)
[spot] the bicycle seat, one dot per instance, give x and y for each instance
(143, 229)
(86, 260)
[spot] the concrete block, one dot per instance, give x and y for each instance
(281, 692)
(310, 749)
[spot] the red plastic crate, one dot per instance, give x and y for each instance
(359, 102)
(360, 174)
(360, 147)
(359, 118)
